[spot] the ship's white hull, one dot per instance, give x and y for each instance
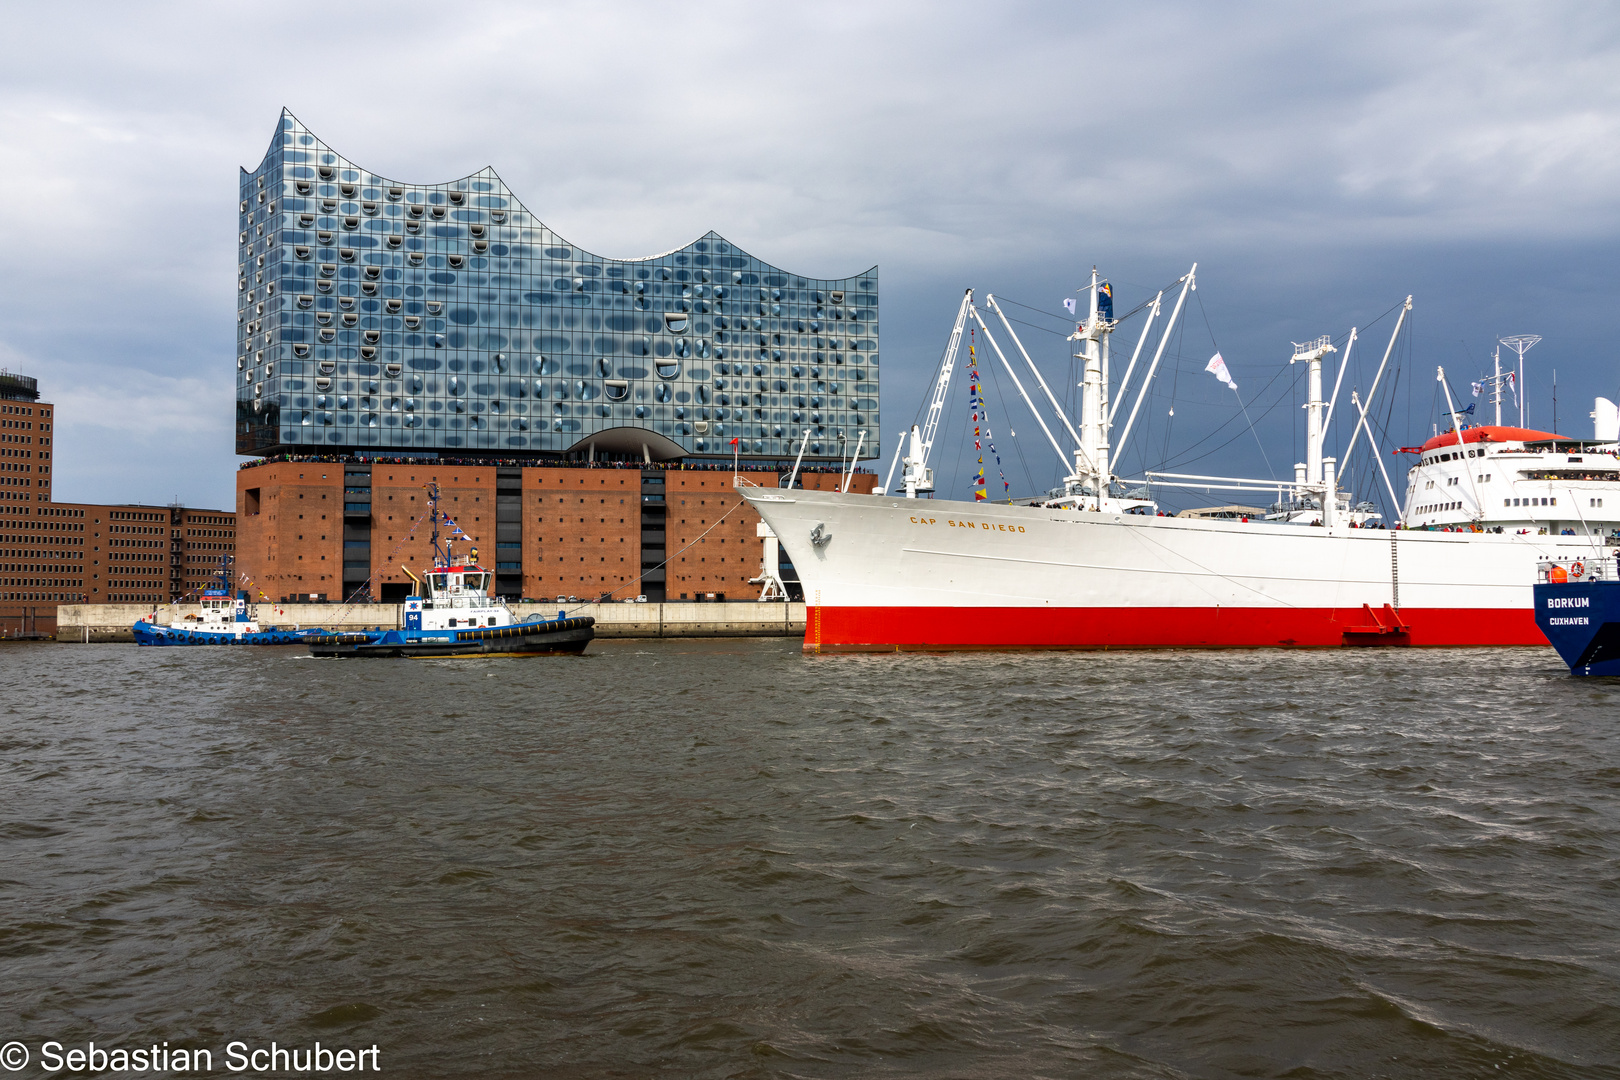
(895, 573)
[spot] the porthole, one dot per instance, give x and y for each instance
(412, 322)
(324, 237)
(306, 221)
(369, 288)
(329, 205)
(676, 322)
(346, 254)
(454, 261)
(393, 306)
(437, 212)
(300, 351)
(350, 319)
(301, 252)
(328, 336)
(475, 230)
(373, 336)
(351, 223)
(480, 246)
(497, 216)
(616, 389)
(327, 172)
(396, 193)
(303, 187)
(373, 272)
(323, 285)
(457, 197)
(328, 366)
(415, 210)
(414, 258)
(435, 306)
(347, 190)
(322, 383)
(667, 369)
(413, 227)
(395, 240)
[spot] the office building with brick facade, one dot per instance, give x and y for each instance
(71, 552)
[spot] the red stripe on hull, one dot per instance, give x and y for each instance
(883, 629)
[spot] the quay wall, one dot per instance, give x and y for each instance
(738, 618)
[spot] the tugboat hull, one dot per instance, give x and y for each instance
(559, 637)
(148, 634)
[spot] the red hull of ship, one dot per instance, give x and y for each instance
(902, 629)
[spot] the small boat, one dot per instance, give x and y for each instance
(219, 620)
(1578, 608)
(451, 614)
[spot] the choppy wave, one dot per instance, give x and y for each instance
(728, 859)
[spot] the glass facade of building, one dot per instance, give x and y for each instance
(386, 317)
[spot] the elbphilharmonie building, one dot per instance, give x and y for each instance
(381, 316)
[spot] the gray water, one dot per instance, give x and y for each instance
(727, 859)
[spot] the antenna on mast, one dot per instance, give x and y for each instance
(1521, 343)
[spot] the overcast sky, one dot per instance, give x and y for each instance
(1319, 162)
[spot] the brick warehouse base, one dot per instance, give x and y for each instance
(328, 527)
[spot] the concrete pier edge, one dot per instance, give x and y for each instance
(97, 623)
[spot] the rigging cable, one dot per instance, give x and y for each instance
(1211, 330)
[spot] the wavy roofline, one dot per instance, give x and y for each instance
(287, 113)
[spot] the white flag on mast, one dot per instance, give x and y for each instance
(1068, 305)
(1217, 367)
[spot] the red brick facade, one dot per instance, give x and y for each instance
(548, 531)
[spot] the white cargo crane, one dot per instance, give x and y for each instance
(918, 442)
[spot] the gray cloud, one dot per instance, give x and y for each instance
(1321, 161)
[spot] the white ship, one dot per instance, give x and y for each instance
(1089, 567)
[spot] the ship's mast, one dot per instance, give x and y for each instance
(1496, 382)
(1311, 353)
(1091, 462)
(1521, 343)
(440, 555)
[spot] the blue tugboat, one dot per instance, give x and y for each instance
(1578, 608)
(219, 620)
(451, 614)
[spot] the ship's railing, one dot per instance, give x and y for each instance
(1566, 571)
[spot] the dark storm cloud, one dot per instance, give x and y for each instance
(1321, 161)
